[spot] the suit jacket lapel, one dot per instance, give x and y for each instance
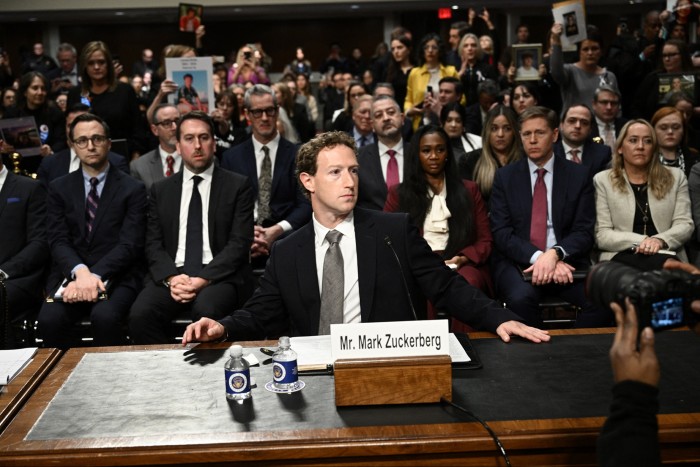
(250, 166)
(78, 198)
(522, 190)
(366, 241)
(7, 187)
(307, 275)
(280, 168)
(215, 192)
(376, 169)
(172, 194)
(559, 194)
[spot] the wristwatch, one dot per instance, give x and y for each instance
(560, 252)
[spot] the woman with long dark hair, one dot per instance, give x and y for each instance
(449, 210)
(229, 131)
(400, 66)
(452, 118)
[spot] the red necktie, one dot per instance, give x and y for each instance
(538, 224)
(392, 169)
(574, 156)
(171, 165)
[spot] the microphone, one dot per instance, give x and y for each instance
(387, 240)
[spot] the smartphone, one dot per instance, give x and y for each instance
(430, 90)
(247, 55)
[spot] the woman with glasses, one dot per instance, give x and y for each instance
(674, 59)
(669, 125)
(115, 102)
(229, 131)
(643, 215)
(423, 82)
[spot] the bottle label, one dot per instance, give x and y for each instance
(237, 382)
(285, 372)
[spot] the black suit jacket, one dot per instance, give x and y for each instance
(288, 299)
(372, 191)
(57, 165)
(114, 249)
(287, 202)
(230, 227)
(573, 211)
(473, 123)
(596, 156)
(24, 252)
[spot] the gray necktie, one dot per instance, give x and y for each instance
(264, 187)
(332, 286)
(609, 136)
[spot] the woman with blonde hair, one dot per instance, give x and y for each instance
(643, 215)
(474, 70)
(247, 67)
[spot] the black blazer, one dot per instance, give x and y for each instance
(288, 299)
(596, 156)
(230, 226)
(114, 249)
(287, 202)
(24, 252)
(372, 191)
(573, 211)
(55, 166)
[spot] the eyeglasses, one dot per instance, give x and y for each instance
(669, 55)
(606, 102)
(269, 111)
(97, 140)
(167, 123)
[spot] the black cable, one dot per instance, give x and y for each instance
(484, 424)
(6, 331)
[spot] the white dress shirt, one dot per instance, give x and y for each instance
(204, 188)
(74, 161)
(177, 160)
(567, 151)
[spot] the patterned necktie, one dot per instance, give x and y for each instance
(609, 136)
(332, 285)
(392, 169)
(538, 223)
(91, 205)
(264, 187)
(363, 141)
(194, 240)
(170, 169)
(574, 156)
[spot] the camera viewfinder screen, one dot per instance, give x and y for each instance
(667, 313)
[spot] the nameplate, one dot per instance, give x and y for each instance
(390, 339)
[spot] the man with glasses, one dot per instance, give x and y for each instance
(164, 161)
(267, 160)
(200, 226)
(575, 143)
(606, 107)
(67, 161)
(96, 223)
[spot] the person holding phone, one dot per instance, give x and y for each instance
(247, 69)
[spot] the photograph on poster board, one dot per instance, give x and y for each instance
(527, 59)
(190, 16)
(671, 83)
(193, 76)
(572, 16)
(22, 135)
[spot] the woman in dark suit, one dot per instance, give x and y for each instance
(449, 210)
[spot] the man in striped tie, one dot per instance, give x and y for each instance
(96, 220)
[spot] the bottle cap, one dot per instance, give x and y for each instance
(284, 341)
(236, 351)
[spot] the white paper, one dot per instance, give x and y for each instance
(573, 11)
(13, 361)
(200, 69)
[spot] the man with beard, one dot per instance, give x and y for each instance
(575, 144)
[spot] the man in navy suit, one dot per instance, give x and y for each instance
(286, 209)
(542, 217)
(575, 144)
(67, 161)
(378, 250)
(24, 252)
(96, 226)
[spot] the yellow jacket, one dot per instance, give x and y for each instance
(417, 83)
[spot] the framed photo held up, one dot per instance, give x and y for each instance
(527, 59)
(190, 16)
(572, 15)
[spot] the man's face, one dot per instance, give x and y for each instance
(454, 38)
(576, 126)
(93, 155)
(538, 140)
(486, 101)
(66, 60)
(264, 127)
(606, 106)
(447, 94)
(166, 126)
(362, 116)
(387, 120)
(652, 26)
(188, 81)
(147, 56)
(196, 145)
(339, 81)
(523, 34)
(334, 186)
(38, 49)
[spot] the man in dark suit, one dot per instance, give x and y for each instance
(67, 160)
(575, 144)
(542, 217)
(606, 106)
(24, 252)
(200, 226)
(362, 130)
(163, 161)
(381, 163)
(487, 92)
(95, 227)
(267, 160)
(376, 250)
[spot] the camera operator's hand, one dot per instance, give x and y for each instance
(628, 363)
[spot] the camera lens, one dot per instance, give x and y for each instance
(606, 280)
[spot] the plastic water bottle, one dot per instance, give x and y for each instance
(237, 375)
(284, 366)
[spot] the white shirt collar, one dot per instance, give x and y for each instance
(346, 227)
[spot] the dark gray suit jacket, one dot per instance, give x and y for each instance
(148, 168)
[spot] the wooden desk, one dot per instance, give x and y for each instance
(18, 391)
(561, 441)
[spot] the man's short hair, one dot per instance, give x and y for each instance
(488, 87)
(66, 47)
(360, 100)
(195, 115)
(577, 104)
(384, 85)
(78, 107)
(88, 117)
(160, 107)
(605, 88)
(384, 97)
(307, 156)
(259, 90)
(538, 111)
(459, 88)
(187, 75)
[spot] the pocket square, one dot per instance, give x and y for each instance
(13, 200)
